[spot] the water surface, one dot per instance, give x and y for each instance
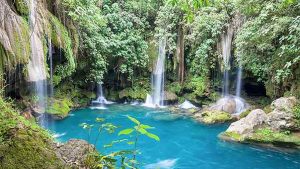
(184, 143)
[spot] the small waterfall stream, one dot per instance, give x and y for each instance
(50, 57)
(100, 102)
(156, 99)
(36, 65)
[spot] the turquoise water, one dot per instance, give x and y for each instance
(184, 143)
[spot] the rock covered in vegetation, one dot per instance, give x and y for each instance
(249, 123)
(23, 144)
(212, 117)
(75, 153)
(59, 108)
(276, 128)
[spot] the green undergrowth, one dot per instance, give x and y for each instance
(23, 144)
(267, 135)
(75, 95)
(296, 111)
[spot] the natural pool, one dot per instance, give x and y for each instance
(184, 143)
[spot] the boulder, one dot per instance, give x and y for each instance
(284, 104)
(248, 124)
(226, 104)
(170, 97)
(74, 153)
(282, 116)
(213, 117)
(282, 120)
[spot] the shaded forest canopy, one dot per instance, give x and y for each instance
(116, 43)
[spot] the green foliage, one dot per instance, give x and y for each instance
(61, 39)
(127, 157)
(198, 85)
(174, 87)
(296, 111)
(268, 42)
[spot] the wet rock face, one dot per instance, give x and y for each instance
(170, 98)
(230, 105)
(249, 123)
(74, 153)
(282, 117)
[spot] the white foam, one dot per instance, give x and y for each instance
(59, 135)
(164, 164)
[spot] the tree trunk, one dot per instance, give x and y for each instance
(180, 53)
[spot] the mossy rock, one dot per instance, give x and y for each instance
(212, 117)
(24, 144)
(231, 136)
(22, 7)
(59, 108)
(28, 148)
(277, 138)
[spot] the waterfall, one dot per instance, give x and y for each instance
(227, 99)
(226, 43)
(36, 65)
(239, 82)
(101, 100)
(50, 57)
(157, 97)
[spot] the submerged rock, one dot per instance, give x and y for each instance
(75, 153)
(249, 123)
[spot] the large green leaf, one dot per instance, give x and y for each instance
(153, 136)
(126, 131)
(134, 120)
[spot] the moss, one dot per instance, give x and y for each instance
(212, 117)
(232, 135)
(22, 7)
(23, 144)
(268, 109)
(59, 107)
(296, 112)
(61, 39)
(267, 135)
(245, 113)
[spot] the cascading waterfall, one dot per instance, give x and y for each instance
(239, 103)
(239, 82)
(50, 57)
(101, 100)
(156, 99)
(36, 65)
(226, 42)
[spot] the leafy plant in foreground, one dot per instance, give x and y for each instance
(127, 157)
